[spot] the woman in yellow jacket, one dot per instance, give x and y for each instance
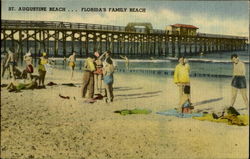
(181, 78)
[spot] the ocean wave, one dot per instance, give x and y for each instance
(167, 60)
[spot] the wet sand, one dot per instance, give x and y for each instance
(40, 124)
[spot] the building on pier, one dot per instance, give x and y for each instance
(182, 29)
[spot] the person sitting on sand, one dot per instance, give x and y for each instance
(181, 76)
(88, 77)
(17, 86)
(98, 73)
(72, 64)
(29, 67)
(126, 61)
(108, 79)
(239, 80)
(43, 60)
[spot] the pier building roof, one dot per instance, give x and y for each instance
(185, 26)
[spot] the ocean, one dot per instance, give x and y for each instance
(210, 64)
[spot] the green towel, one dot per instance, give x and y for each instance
(133, 111)
(20, 86)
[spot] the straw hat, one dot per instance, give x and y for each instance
(44, 53)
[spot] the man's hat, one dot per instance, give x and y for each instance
(44, 53)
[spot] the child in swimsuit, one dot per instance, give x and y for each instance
(98, 74)
(186, 105)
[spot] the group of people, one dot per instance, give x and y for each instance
(98, 73)
(30, 80)
(182, 80)
(98, 68)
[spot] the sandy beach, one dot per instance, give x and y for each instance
(39, 124)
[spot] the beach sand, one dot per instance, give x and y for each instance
(40, 124)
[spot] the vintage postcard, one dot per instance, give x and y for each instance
(124, 79)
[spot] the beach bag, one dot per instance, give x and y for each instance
(108, 79)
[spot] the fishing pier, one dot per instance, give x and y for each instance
(62, 38)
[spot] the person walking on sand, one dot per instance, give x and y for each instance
(239, 80)
(88, 77)
(108, 79)
(43, 60)
(98, 73)
(126, 61)
(181, 77)
(3, 66)
(11, 62)
(64, 61)
(29, 67)
(72, 64)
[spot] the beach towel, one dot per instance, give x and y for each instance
(20, 86)
(51, 84)
(233, 117)
(64, 97)
(240, 120)
(98, 97)
(69, 84)
(133, 111)
(174, 112)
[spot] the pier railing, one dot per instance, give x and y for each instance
(86, 26)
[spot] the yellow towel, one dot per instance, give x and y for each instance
(240, 120)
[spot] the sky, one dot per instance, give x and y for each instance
(215, 17)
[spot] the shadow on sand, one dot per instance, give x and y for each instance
(125, 88)
(138, 95)
(207, 101)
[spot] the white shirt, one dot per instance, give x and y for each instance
(239, 69)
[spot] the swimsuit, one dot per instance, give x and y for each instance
(99, 70)
(29, 69)
(13, 63)
(72, 64)
(239, 82)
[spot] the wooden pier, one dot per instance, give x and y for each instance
(62, 38)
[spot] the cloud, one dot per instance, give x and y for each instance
(220, 25)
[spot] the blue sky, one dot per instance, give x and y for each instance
(218, 17)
